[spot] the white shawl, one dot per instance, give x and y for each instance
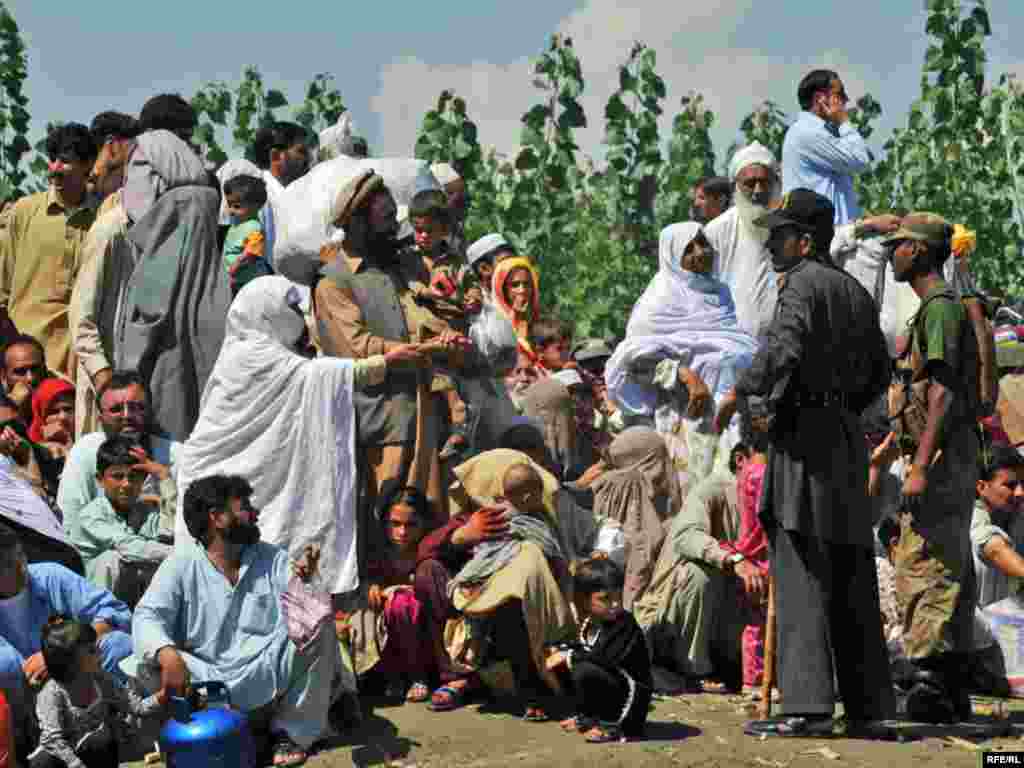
(681, 316)
(284, 423)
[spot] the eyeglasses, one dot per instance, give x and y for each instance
(126, 407)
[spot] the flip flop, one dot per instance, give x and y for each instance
(288, 754)
(456, 699)
(604, 734)
(418, 693)
(535, 714)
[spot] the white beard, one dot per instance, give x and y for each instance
(748, 212)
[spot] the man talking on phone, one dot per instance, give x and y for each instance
(823, 150)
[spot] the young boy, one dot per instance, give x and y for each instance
(119, 537)
(244, 244)
(610, 668)
(430, 217)
(447, 298)
(483, 254)
(551, 339)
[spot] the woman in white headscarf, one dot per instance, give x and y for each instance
(285, 423)
(681, 353)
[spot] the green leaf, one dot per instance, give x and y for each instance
(980, 16)
(275, 99)
(615, 110)
(526, 159)
(627, 82)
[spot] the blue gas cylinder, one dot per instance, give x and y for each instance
(213, 737)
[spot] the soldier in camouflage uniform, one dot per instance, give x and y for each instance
(933, 563)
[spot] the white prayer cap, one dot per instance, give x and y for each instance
(568, 377)
(485, 246)
(444, 173)
(752, 154)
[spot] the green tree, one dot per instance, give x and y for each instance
(960, 154)
(14, 116)
(615, 250)
(322, 106)
(251, 105)
(691, 157)
(447, 135)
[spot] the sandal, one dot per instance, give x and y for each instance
(447, 697)
(790, 727)
(535, 714)
(604, 734)
(418, 693)
(576, 723)
(288, 754)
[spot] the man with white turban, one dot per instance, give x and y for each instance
(743, 262)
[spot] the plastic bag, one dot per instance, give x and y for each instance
(612, 541)
(304, 211)
(306, 607)
(495, 338)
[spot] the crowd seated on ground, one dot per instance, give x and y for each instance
(348, 455)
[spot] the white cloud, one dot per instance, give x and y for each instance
(693, 44)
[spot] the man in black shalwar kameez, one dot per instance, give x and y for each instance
(822, 361)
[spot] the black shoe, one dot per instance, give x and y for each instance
(873, 730)
(926, 703)
(792, 727)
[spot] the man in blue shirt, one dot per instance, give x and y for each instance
(29, 595)
(822, 149)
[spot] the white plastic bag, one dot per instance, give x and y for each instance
(305, 210)
(495, 338)
(612, 541)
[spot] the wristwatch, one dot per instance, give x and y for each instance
(733, 560)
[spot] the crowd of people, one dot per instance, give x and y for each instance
(364, 458)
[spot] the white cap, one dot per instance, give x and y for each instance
(444, 173)
(568, 377)
(485, 246)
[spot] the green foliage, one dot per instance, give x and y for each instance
(533, 199)
(322, 106)
(691, 157)
(212, 104)
(251, 105)
(960, 152)
(767, 124)
(14, 116)
(447, 135)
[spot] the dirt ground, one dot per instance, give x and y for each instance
(695, 730)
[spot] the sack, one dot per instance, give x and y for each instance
(303, 212)
(495, 338)
(611, 540)
(306, 608)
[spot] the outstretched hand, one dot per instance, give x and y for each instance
(726, 410)
(700, 395)
(308, 564)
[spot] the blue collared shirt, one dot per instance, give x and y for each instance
(817, 156)
(54, 589)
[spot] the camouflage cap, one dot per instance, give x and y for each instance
(591, 349)
(923, 227)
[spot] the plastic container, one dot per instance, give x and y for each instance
(1006, 620)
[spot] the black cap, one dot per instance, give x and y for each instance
(803, 209)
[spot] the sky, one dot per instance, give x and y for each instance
(391, 60)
